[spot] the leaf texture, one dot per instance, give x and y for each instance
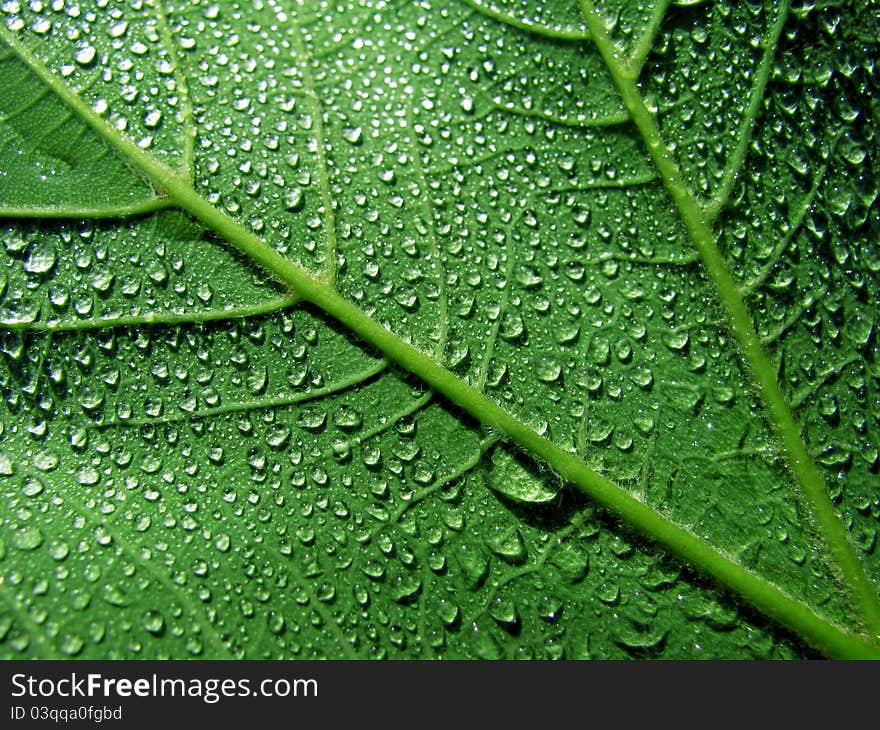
(193, 463)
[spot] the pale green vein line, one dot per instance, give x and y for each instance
(608, 184)
(44, 650)
(747, 124)
(412, 407)
(762, 453)
(4, 143)
(794, 226)
(121, 144)
(818, 630)
(140, 207)
(303, 20)
(526, 570)
(88, 82)
(793, 317)
(136, 207)
(40, 366)
(492, 342)
(557, 34)
(254, 405)
(50, 130)
(434, 241)
(457, 163)
(187, 116)
(36, 99)
(421, 549)
(599, 122)
(583, 351)
(327, 201)
(321, 609)
(155, 318)
(427, 575)
(464, 468)
(688, 259)
(639, 53)
(804, 395)
(803, 468)
(638, 180)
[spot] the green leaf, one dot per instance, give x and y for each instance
(464, 329)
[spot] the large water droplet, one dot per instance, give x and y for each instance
(515, 477)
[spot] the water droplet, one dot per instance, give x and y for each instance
(85, 55)
(118, 29)
(70, 644)
(448, 612)
(513, 476)
(352, 134)
(511, 327)
(550, 608)
(32, 487)
(152, 118)
(114, 596)
(294, 198)
(278, 436)
(58, 550)
(27, 538)
(507, 543)
(41, 257)
(548, 369)
(275, 622)
(572, 561)
(474, 565)
(406, 589)
(640, 641)
(676, 341)
(503, 610)
(485, 646)
(154, 623)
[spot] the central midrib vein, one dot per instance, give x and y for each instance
(816, 629)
